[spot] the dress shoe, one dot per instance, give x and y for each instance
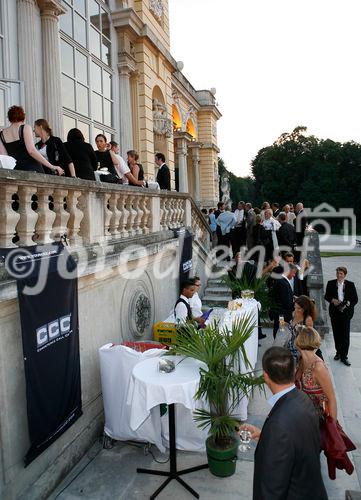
(261, 336)
(337, 356)
(345, 362)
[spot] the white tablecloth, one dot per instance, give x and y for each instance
(116, 366)
(149, 388)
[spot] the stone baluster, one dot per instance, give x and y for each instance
(62, 216)
(46, 217)
(138, 218)
(124, 215)
(8, 217)
(168, 213)
(85, 223)
(146, 215)
(76, 216)
(177, 213)
(163, 221)
(181, 212)
(28, 217)
(116, 214)
(107, 214)
(171, 213)
(161, 213)
(132, 215)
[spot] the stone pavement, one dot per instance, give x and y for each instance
(111, 474)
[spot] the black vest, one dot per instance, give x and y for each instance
(189, 310)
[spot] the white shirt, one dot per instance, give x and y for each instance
(196, 305)
(239, 215)
(340, 286)
(42, 151)
(122, 168)
(275, 397)
(271, 224)
(181, 312)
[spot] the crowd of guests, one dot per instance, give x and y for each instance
(75, 157)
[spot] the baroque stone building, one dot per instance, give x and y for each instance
(105, 66)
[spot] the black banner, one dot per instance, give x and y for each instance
(48, 300)
(185, 245)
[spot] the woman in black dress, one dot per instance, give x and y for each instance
(107, 159)
(82, 154)
(52, 148)
(17, 141)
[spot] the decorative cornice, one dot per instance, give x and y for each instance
(127, 19)
(212, 109)
(210, 145)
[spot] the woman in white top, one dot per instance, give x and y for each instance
(290, 216)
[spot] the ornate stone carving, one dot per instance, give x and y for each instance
(157, 8)
(161, 124)
(226, 190)
(138, 308)
(142, 313)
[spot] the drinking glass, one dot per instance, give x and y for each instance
(282, 323)
(245, 437)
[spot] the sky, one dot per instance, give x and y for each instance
(276, 64)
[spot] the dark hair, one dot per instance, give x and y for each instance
(277, 205)
(41, 122)
(204, 211)
(113, 143)
(288, 254)
(101, 135)
(257, 210)
(279, 365)
(160, 156)
(210, 211)
(187, 284)
(309, 308)
(75, 134)
(133, 153)
(282, 216)
(342, 269)
(220, 204)
(16, 114)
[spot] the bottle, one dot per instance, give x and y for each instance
(98, 166)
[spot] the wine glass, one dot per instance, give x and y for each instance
(245, 437)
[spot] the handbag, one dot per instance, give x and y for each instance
(335, 444)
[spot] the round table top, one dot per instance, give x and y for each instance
(186, 371)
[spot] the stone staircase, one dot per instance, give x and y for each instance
(216, 294)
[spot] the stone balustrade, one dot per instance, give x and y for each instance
(39, 209)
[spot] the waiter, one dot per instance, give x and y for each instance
(342, 296)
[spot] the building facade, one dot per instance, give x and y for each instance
(104, 66)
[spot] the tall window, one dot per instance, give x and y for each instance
(86, 67)
(1, 41)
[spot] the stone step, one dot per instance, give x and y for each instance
(217, 290)
(215, 282)
(216, 300)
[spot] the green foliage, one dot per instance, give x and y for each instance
(221, 383)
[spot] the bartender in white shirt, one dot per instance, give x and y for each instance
(195, 301)
(182, 308)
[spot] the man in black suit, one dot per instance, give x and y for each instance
(163, 175)
(342, 296)
(287, 457)
(286, 234)
(275, 209)
(282, 295)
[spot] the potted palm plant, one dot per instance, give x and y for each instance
(222, 385)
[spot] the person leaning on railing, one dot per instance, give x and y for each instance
(17, 141)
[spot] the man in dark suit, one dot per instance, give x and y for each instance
(286, 234)
(163, 175)
(342, 296)
(282, 295)
(287, 457)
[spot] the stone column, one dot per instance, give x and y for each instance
(49, 11)
(28, 58)
(181, 153)
(195, 163)
(125, 105)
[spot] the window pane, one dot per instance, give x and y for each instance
(94, 42)
(82, 104)
(80, 6)
(96, 77)
(67, 91)
(79, 29)
(107, 112)
(66, 22)
(94, 13)
(84, 127)
(107, 85)
(2, 108)
(105, 23)
(97, 113)
(1, 58)
(105, 51)
(67, 58)
(68, 123)
(81, 67)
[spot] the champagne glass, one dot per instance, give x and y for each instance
(245, 437)
(282, 323)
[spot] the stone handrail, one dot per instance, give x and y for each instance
(38, 209)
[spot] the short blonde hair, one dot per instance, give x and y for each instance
(308, 339)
